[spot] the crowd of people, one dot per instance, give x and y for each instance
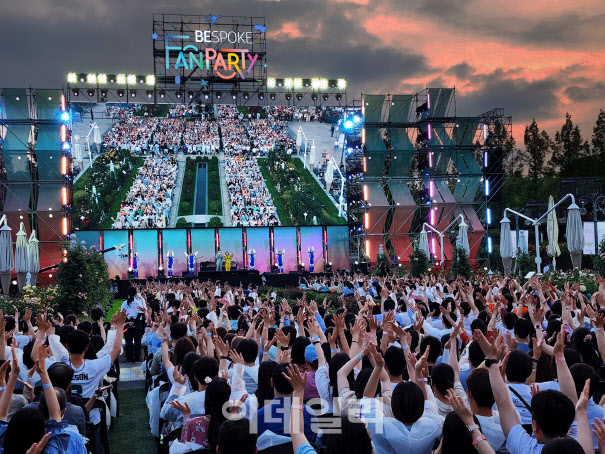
(267, 135)
(251, 202)
(132, 133)
(201, 136)
(394, 365)
(235, 139)
(148, 202)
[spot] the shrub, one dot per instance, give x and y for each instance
(185, 208)
(214, 207)
(181, 223)
(419, 263)
(215, 221)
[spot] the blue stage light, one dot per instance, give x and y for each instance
(66, 146)
(65, 116)
(348, 124)
(356, 118)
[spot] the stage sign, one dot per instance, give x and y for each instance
(199, 51)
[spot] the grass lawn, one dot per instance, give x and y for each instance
(121, 196)
(115, 308)
(131, 432)
(330, 212)
(282, 214)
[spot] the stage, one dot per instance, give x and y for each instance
(233, 278)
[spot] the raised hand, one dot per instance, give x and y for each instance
(460, 407)
(182, 407)
(38, 448)
(295, 378)
(235, 357)
(178, 375)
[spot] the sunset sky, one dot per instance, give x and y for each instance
(534, 58)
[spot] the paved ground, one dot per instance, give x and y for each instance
(320, 133)
(83, 128)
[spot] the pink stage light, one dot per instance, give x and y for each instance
(431, 188)
(431, 159)
(434, 246)
(432, 217)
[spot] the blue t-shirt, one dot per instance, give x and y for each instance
(278, 419)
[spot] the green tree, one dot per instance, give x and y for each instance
(460, 264)
(419, 263)
(568, 147)
(598, 135)
(513, 158)
(215, 221)
(535, 147)
(181, 223)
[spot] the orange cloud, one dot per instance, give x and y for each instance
(288, 30)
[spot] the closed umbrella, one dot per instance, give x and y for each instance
(21, 257)
(506, 245)
(6, 255)
(552, 230)
(299, 138)
(312, 157)
(462, 241)
(522, 246)
(423, 243)
(575, 235)
(97, 137)
(77, 149)
(33, 258)
(329, 174)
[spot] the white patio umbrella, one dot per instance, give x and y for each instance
(33, 258)
(299, 138)
(6, 255)
(552, 230)
(77, 153)
(329, 174)
(423, 243)
(522, 246)
(21, 257)
(506, 245)
(312, 157)
(97, 137)
(462, 241)
(575, 235)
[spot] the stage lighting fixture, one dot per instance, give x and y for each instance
(271, 83)
(234, 95)
(120, 93)
(65, 116)
(133, 93)
(306, 82)
(338, 97)
(121, 78)
(356, 118)
(342, 84)
(325, 97)
(103, 93)
(272, 96)
(178, 94)
(150, 80)
(348, 124)
(191, 95)
(219, 95)
(288, 83)
(206, 96)
(66, 146)
(421, 109)
(298, 83)
(76, 92)
(72, 78)
(299, 96)
(261, 96)
(149, 93)
(91, 79)
(82, 77)
(288, 96)
(131, 79)
(90, 92)
(111, 78)
(102, 78)
(246, 95)
(279, 82)
(162, 94)
(314, 96)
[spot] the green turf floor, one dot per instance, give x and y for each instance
(131, 433)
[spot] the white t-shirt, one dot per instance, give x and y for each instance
(492, 430)
(87, 378)
(519, 442)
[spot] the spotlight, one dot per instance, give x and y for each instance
(338, 97)
(342, 84)
(298, 83)
(76, 92)
(191, 95)
(288, 96)
(65, 116)
(271, 83)
(421, 109)
(103, 93)
(121, 78)
(261, 96)
(299, 96)
(356, 118)
(246, 95)
(142, 79)
(82, 78)
(120, 93)
(72, 78)
(90, 92)
(150, 80)
(206, 96)
(133, 93)
(219, 95)
(149, 93)
(131, 79)
(325, 97)
(272, 96)
(234, 95)
(66, 146)
(314, 96)
(111, 78)
(348, 124)
(102, 78)
(162, 94)
(178, 94)
(91, 79)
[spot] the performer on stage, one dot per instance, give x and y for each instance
(219, 261)
(311, 252)
(170, 257)
(280, 261)
(228, 258)
(191, 262)
(135, 265)
(251, 253)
